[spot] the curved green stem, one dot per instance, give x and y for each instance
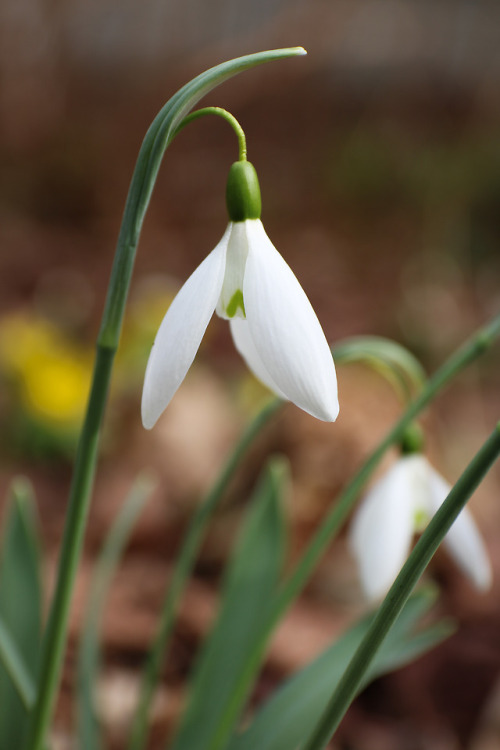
(182, 570)
(157, 139)
(228, 117)
(401, 590)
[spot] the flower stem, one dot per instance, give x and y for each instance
(79, 502)
(182, 571)
(228, 117)
(156, 141)
(401, 589)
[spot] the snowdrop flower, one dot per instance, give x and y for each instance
(398, 505)
(275, 329)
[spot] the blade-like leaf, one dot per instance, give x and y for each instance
(89, 732)
(20, 608)
(251, 581)
(16, 668)
(289, 717)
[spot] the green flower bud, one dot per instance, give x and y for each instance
(413, 440)
(243, 192)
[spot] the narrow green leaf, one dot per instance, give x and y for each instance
(15, 667)
(289, 717)
(20, 610)
(416, 646)
(251, 582)
(89, 656)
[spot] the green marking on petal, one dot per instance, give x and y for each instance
(420, 520)
(235, 302)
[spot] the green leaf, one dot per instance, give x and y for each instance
(222, 677)
(89, 656)
(16, 668)
(391, 360)
(20, 609)
(289, 717)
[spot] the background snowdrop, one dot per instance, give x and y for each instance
(397, 506)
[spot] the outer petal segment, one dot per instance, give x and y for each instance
(382, 530)
(285, 330)
(463, 541)
(180, 333)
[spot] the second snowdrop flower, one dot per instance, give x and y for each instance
(273, 325)
(397, 506)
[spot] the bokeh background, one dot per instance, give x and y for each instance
(379, 161)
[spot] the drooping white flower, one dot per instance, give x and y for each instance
(398, 505)
(273, 325)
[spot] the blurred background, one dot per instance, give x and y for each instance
(379, 161)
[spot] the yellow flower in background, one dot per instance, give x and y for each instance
(50, 372)
(55, 388)
(21, 338)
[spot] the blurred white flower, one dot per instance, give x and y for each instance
(273, 325)
(398, 505)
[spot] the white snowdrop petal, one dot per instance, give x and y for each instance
(180, 333)
(382, 529)
(285, 330)
(244, 344)
(463, 541)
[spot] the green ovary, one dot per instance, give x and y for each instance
(234, 303)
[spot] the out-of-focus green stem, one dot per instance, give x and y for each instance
(401, 589)
(183, 568)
